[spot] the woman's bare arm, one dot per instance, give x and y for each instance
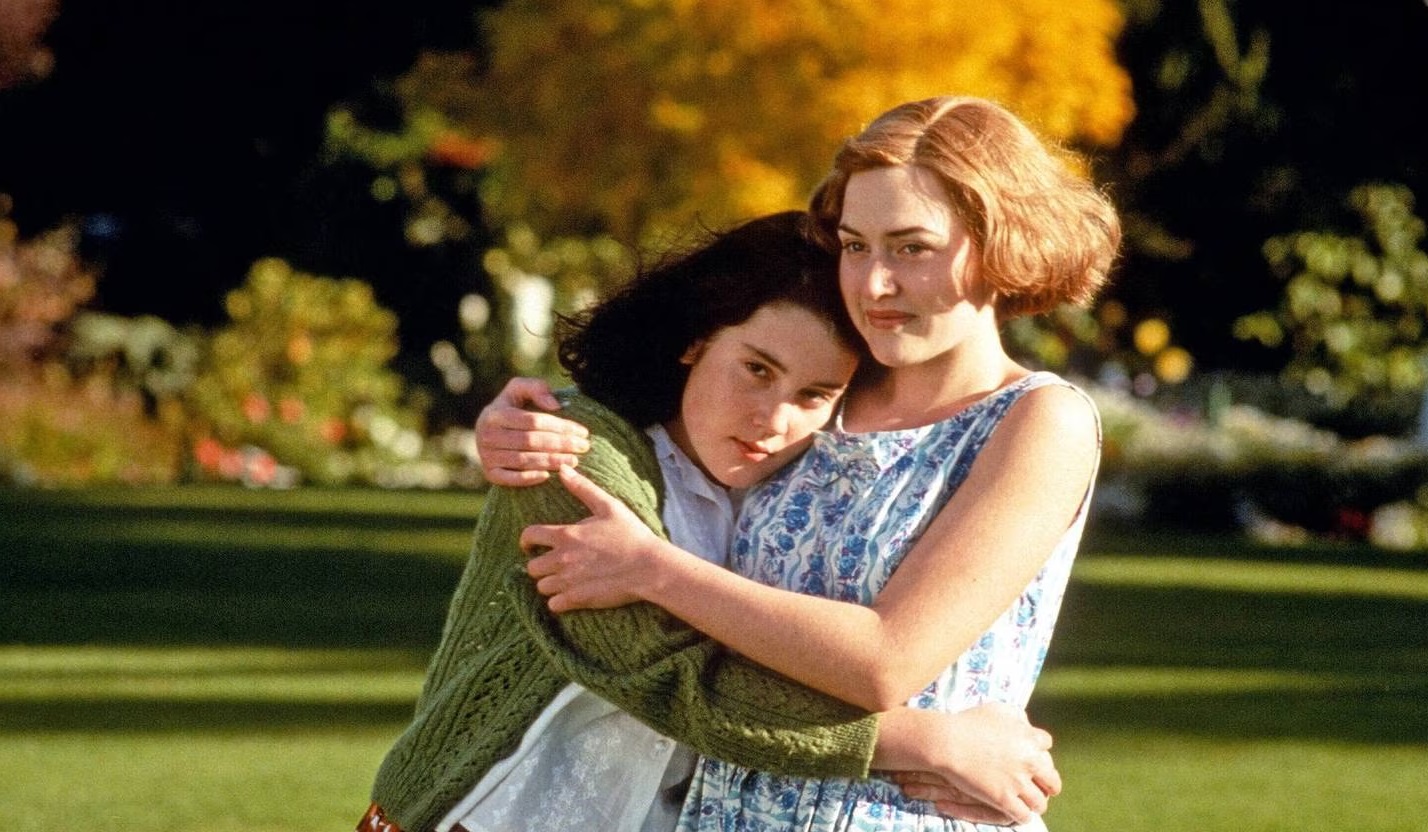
(978, 554)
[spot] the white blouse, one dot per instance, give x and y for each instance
(585, 764)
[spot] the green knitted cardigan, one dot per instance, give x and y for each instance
(503, 657)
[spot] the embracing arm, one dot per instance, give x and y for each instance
(519, 445)
(653, 666)
(977, 555)
(986, 764)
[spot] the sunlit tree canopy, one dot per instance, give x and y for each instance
(630, 117)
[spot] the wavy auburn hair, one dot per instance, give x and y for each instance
(1046, 234)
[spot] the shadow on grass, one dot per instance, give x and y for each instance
(62, 581)
(1389, 713)
(199, 715)
(1102, 625)
(1348, 668)
(1361, 661)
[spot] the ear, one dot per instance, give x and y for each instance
(693, 354)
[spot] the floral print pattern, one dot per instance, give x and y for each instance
(837, 523)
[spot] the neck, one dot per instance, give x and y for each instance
(895, 398)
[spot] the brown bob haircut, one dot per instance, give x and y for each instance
(1046, 234)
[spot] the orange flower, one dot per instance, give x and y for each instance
(333, 430)
(255, 408)
(291, 410)
(208, 452)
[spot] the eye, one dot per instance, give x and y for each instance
(854, 246)
(756, 369)
(915, 249)
(814, 399)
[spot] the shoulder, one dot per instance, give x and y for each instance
(609, 432)
(1052, 403)
(621, 459)
(1052, 421)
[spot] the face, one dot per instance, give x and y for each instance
(757, 392)
(908, 269)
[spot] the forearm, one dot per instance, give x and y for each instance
(688, 687)
(903, 741)
(845, 650)
(668, 674)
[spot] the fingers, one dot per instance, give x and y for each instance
(525, 430)
(954, 802)
(593, 496)
(515, 479)
(1034, 799)
(519, 447)
(1047, 778)
(973, 812)
(523, 392)
(1042, 738)
(534, 541)
(497, 462)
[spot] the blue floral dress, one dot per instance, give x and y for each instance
(837, 523)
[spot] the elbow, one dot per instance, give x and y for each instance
(886, 688)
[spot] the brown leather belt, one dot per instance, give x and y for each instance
(376, 821)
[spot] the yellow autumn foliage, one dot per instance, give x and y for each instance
(629, 117)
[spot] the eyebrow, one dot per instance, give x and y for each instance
(896, 232)
(778, 365)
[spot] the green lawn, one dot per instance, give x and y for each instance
(220, 659)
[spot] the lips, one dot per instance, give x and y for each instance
(752, 452)
(886, 318)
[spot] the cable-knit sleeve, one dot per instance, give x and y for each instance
(660, 670)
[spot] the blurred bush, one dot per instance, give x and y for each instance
(59, 431)
(64, 423)
(1104, 344)
(1227, 465)
(297, 386)
(534, 280)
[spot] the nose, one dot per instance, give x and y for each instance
(774, 417)
(875, 278)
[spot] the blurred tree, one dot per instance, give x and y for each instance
(1355, 308)
(635, 118)
(23, 54)
(1255, 119)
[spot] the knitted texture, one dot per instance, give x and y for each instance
(503, 657)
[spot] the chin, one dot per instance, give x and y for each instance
(894, 357)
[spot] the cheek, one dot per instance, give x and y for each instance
(849, 281)
(801, 430)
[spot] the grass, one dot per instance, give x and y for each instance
(220, 659)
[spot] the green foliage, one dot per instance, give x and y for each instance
(1353, 311)
(535, 279)
(1102, 344)
(145, 354)
(406, 163)
(300, 377)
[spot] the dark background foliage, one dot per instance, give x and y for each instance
(186, 139)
